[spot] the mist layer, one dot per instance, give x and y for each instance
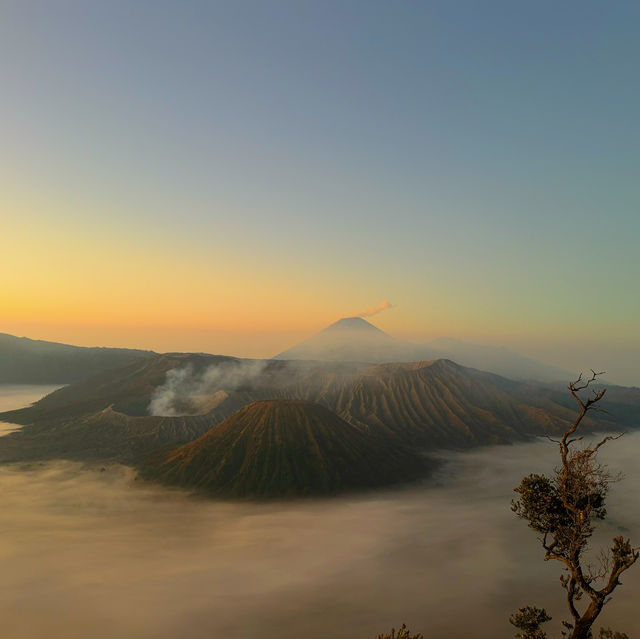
(96, 553)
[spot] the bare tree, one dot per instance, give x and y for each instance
(563, 509)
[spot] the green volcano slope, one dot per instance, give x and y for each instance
(284, 448)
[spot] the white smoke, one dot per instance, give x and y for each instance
(164, 397)
(188, 391)
(374, 310)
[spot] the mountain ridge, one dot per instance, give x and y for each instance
(28, 361)
(426, 405)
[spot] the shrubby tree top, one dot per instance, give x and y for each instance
(563, 510)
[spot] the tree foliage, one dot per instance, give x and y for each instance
(403, 633)
(607, 633)
(529, 619)
(563, 510)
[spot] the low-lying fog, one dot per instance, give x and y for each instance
(13, 396)
(86, 553)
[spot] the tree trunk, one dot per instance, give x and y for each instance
(582, 628)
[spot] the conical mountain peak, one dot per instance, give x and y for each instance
(284, 448)
(354, 324)
(354, 339)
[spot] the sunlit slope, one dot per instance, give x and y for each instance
(28, 361)
(426, 405)
(283, 448)
(128, 389)
(441, 404)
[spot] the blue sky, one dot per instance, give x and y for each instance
(266, 167)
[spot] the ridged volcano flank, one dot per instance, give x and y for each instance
(281, 448)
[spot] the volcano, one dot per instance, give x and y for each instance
(355, 339)
(285, 448)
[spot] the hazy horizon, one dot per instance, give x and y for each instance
(619, 363)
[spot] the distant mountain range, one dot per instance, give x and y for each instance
(352, 339)
(392, 409)
(29, 361)
(355, 339)
(329, 414)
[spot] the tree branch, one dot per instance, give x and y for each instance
(571, 593)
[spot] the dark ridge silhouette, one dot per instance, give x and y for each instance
(28, 361)
(285, 448)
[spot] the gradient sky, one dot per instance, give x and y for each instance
(233, 176)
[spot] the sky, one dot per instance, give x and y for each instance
(233, 176)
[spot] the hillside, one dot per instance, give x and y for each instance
(28, 361)
(284, 448)
(104, 436)
(497, 359)
(441, 404)
(426, 405)
(128, 388)
(107, 416)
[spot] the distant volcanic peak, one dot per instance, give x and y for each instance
(351, 339)
(354, 324)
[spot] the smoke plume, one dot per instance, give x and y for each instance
(187, 391)
(374, 310)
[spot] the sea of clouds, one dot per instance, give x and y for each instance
(93, 553)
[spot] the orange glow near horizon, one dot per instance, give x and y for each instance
(171, 196)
